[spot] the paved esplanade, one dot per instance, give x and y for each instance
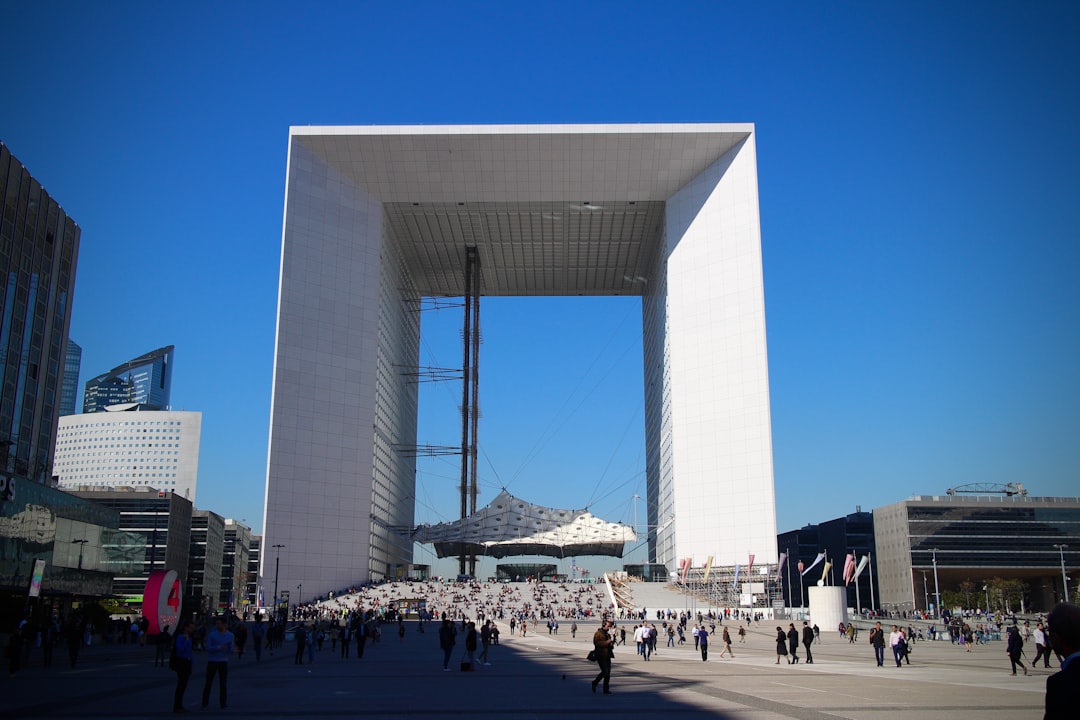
(526, 680)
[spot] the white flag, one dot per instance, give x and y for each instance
(819, 558)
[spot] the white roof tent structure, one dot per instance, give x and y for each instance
(508, 526)
(379, 218)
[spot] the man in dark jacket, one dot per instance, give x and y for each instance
(446, 642)
(877, 639)
(1063, 687)
(807, 638)
(793, 643)
(603, 642)
(1014, 648)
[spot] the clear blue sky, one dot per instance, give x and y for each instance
(919, 168)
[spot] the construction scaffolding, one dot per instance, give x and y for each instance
(735, 587)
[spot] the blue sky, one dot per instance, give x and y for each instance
(918, 165)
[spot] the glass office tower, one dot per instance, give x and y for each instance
(146, 380)
(69, 388)
(39, 248)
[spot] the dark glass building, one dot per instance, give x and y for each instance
(39, 248)
(79, 543)
(836, 538)
(69, 385)
(146, 380)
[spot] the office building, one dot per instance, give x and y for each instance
(234, 566)
(254, 555)
(204, 563)
(39, 249)
(161, 521)
(931, 544)
(69, 387)
(126, 446)
(145, 380)
(852, 534)
(377, 218)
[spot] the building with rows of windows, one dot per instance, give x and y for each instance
(127, 446)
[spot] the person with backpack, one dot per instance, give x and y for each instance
(877, 640)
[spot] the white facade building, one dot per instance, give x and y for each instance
(123, 447)
(378, 217)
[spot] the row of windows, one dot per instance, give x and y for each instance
(127, 423)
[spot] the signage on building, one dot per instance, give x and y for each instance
(161, 600)
(36, 578)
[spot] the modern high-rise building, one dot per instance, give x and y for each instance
(234, 565)
(69, 386)
(145, 380)
(204, 564)
(377, 218)
(77, 543)
(126, 446)
(39, 248)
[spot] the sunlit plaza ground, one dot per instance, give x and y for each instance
(545, 675)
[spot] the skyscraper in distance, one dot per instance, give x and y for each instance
(146, 380)
(69, 386)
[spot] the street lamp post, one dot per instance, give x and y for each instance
(986, 589)
(1064, 577)
(82, 544)
(926, 594)
(937, 592)
(277, 567)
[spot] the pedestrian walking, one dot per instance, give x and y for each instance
(807, 639)
(219, 645)
(1014, 648)
(602, 646)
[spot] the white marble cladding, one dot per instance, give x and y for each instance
(339, 492)
(720, 428)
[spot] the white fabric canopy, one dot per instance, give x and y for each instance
(509, 526)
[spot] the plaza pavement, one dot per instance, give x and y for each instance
(544, 676)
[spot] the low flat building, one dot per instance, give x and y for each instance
(931, 544)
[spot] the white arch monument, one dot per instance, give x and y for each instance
(378, 217)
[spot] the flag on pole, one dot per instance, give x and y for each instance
(780, 565)
(849, 568)
(862, 566)
(684, 564)
(735, 582)
(708, 567)
(750, 567)
(825, 570)
(819, 558)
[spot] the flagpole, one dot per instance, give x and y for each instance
(870, 567)
(802, 595)
(789, 589)
(858, 600)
